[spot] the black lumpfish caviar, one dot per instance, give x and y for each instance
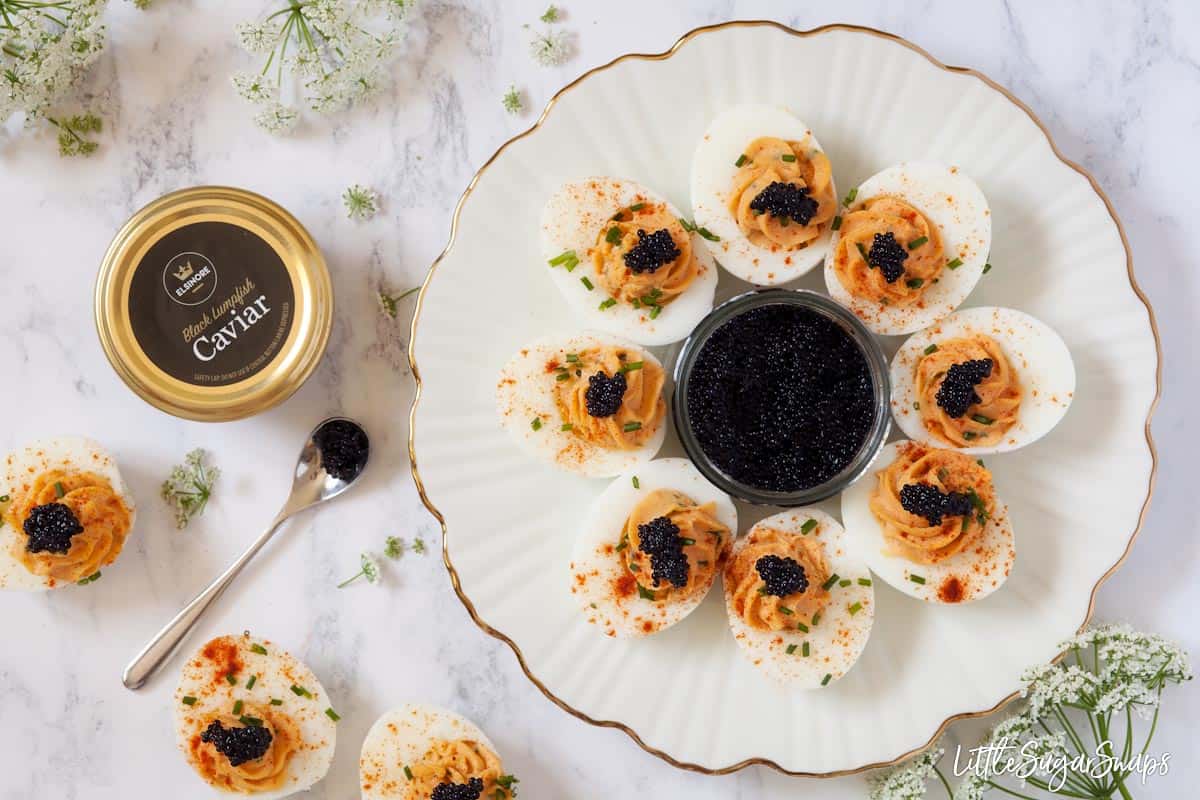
(344, 448)
(786, 200)
(780, 398)
(239, 745)
(781, 575)
(932, 503)
(888, 256)
(50, 528)
(957, 392)
(651, 251)
(471, 790)
(659, 539)
(604, 394)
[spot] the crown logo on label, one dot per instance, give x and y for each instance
(185, 271)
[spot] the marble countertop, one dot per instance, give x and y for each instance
(1118, 85)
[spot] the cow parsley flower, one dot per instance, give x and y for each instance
(326, 54)
(512, 101)
(551, 47)
(551, 15)
(189, 487)
(361, 203)
(907, 781)
(370, 571)
(394, 547)
(46, 47)
(389, 303)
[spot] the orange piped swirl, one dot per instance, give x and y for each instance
(642, 409)
(706, 542)
(999, 393)
(263, 774)
(660, 286)
(767, 612)
(763, 165)
(911, 536)
(456, 761)
(882, 215)
(100, 510)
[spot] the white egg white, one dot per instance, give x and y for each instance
(975, 572)
(400, 738)
(525, 390)
(714, 166)
(1037, 354)
(596, 567)
(572, 220)
(275, 672)
(952, 202)
(838, 639)
(21, 467)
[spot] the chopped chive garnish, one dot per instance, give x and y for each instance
(232, 681)
(686, 542)
(854, 609)
(237, 708)
(275, 701)
(645, 593)
(815, 619)
(741, 160)
(916, 405)
(916, 579)
(915, 283)
(573, 358)
(613, 236)
(258, 648)
(982, 420)
(632, 366)
(333, 715)
(636, 483)
(931, 349)
(707, 234)
(637, 206)
(621, 545)
(300, 691)
(863, 252)
(791, 648)
(828, 677)
(654, 312)
(804, 650)
(634, 567)
(95, 576)
(844, 582)
(850, 195)
(980, 508)
(687, 226)
(250, 722)
(567, 426)
(408, 772)
(58, 489)
(788, 157)
(536, 424)
(915, 243)
(808, 525)
(786, 610)
(630, 427)
(189, 700)
(635, 303)
(562, 258)
(955, 264)
(784, 222)
(800, 626)
(702, 563)
(837, 222)
(979, 461)
(827, 585)
(563, 376)
(584, 280)
(987, 268)
(969, 435)
(864, 581)
(607, 304)
(253, 680)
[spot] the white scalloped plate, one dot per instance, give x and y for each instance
(1076, 497)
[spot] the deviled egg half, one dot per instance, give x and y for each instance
(626, 260)
(419, 752)
(984, 380)
(909, 246)
(800, 602)
(650, 548)
(763, 194)
(65, 513)
(252, 719)
(592, 403)
(929, 523)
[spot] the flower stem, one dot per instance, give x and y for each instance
(349, 581)
(945, 783)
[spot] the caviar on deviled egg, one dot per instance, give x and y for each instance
(909, 246)
(591, 404)
(421, 752)
(626, 260)
(984, 380)
(65, 513)
(800, 603)
(650, 548)
(929, 523)
(762, 188)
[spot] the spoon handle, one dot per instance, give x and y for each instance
(147, 662)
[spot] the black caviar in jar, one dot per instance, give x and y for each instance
(780, 398)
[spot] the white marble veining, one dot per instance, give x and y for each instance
(1117, 84)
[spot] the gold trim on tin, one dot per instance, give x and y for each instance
(417, 397)
(312, 310)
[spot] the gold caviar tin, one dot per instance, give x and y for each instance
(213, 303)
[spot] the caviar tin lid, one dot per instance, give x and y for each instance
(213, 303)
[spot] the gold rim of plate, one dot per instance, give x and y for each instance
(662, 56)
(312, 316)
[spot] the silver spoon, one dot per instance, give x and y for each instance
(312, 485)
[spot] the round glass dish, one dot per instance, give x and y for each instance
(876, 364)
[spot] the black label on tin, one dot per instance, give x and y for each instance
(211, 303)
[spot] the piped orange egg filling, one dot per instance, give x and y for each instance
(920, 243)
(985, 422)
(764, 611)
(769, 160)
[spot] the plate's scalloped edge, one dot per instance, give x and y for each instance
(412, 453)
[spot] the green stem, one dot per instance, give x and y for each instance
(945, 783)
(349, 581)
(1008, 791)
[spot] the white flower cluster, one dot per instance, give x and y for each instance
(1052, 685)
(45, 49)
(323, 55)
(907, 781)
